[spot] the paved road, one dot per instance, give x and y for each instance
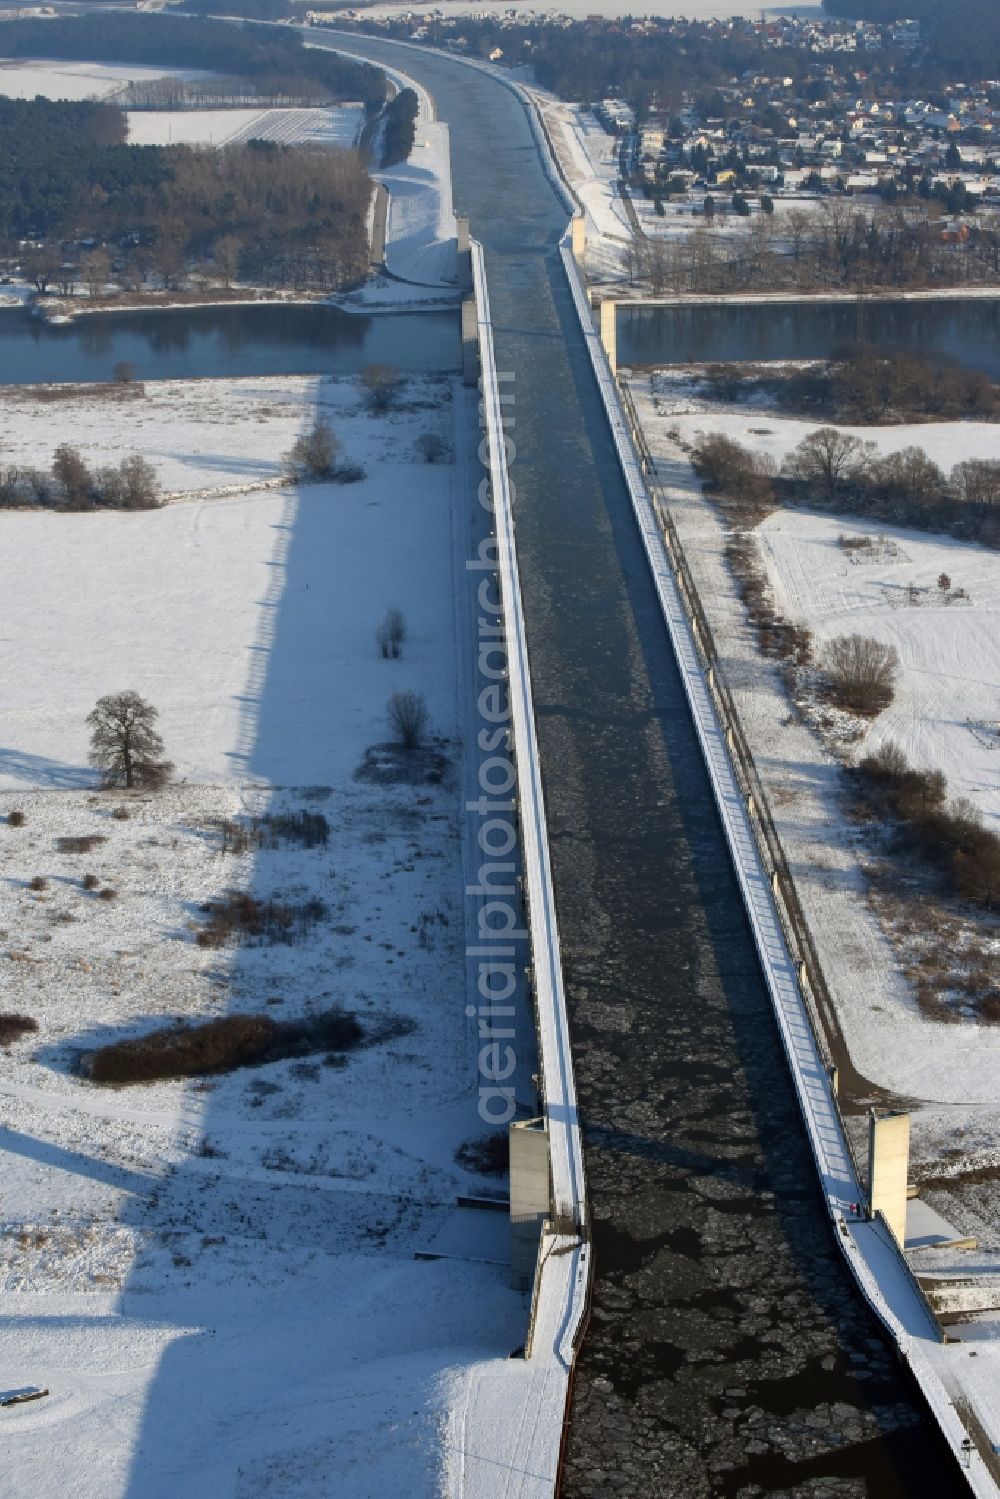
(728, 1354)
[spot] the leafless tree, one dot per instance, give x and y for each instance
(41, 266)
(382, 382)
(861, 672)
(95, 268)
(408, 717)
(69, 469)
(124, 744)
(124, 372)
(226, 255)
(133, 485)
(313, 455)
(828, 457)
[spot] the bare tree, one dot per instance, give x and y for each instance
(41, 266)
(314, 454)
(861, 672)
(829, 457)
(408, 718)
(226, 255)
(431, 447)
(382, 382)
(977, 481)
(391, 634)
(95, 268)
(124, 744)
(124, 372)
(69, 469)
(133, 485)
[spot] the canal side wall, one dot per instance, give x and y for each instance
(561, 1276)
(875, 1260)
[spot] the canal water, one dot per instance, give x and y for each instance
(212, 342)
(967, 331)
(728, 1351)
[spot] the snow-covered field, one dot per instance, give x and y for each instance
(946, 711)
(202, 436)
(216, 1281)
(24, 79)
(950, 1070)
(221, 127)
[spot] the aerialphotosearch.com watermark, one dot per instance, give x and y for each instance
(499, 949)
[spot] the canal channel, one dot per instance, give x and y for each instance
(728, 1353)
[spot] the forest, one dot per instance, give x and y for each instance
(276, 60)
(274, 214)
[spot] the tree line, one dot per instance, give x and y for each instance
(279, 215)
(835, 470)
(963, 34)
(277, 60)
(839, 246)
(399, 127)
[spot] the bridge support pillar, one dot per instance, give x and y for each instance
(530, 1194)
(463, 253)
(578, 240)
(470, 341)
(888, 1167)
(609, 333)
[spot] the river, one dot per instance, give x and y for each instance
(728, 1352)
(966, 330)
(213, 342)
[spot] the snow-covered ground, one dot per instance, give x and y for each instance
(946, 711)
(24, 79)
(950, 1070)
(205, 436)
(222, 127)
(216, 1281)
(947, 443)
(420, 242)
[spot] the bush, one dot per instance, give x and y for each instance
(38, 882)
(313, 455)
(408, 718)
(382, 382)
(241, 916)
(13, 1027)
(90, 882)
(431, 447)
(861, 673)
(221, 1046)
(80, 844)
(185, 1051)
(487, 1157)
(15, 819)
(107, 893)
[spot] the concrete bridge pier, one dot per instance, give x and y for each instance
(609, 333)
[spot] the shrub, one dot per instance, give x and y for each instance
(121, 814)
(313, 455)
(13, 1027)
(80, 844)
(185, 1051)
(408, 718)
(222, 1045)
(861, 673)
(382, 383)
(431, 447)
(107, 893)
(242, 916)
(15, 819)
(90, 882)
(488, 1157)
(38, 882)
